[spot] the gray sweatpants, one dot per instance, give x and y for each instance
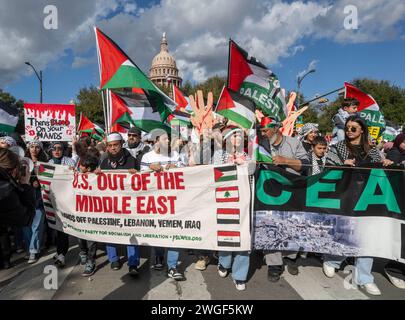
(275, 258)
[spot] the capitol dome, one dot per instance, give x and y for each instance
(164, 66)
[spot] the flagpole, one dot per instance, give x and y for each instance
(108, 97)
(104, 111)
(317, 98)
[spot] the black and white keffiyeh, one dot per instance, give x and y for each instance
(339, 153)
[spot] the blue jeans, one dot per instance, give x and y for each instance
(33, 235)
(172, 256)
(240, 265)
(132, 252)
(363, 266)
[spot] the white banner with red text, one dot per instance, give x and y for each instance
(203, 207)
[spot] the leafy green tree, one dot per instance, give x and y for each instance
(89, 101)
(213, 84)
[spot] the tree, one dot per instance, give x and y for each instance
(213, 84)
(89, 101)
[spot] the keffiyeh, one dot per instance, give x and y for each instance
(306, 129)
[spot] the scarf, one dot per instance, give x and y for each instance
(318, 164)
(116, 160)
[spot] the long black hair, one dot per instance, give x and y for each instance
(365, 144)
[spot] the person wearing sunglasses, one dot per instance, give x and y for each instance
(134, 145)
(355, 150)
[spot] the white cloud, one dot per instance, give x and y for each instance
(198, 31)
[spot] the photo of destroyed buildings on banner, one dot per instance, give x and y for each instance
(234, 164)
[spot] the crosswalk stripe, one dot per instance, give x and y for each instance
(312, 284)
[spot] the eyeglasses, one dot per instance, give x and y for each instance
(352, 129)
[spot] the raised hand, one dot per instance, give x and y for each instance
(203, 118)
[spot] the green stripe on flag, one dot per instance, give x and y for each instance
(236, 117)
(6, 128)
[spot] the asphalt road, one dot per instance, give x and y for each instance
(25, 281)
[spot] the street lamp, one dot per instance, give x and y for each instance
(39, 76)
(299, 81)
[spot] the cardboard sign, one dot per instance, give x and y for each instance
(49, 122)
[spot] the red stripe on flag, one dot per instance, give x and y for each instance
(228, 234)
(51, 214)
(228, 211)
(45, 197)
(227, 189)
(48, 183)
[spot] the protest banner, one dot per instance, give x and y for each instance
(49, 122)
(344, 211)
(204, 207)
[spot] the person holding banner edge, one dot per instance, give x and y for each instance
(286, 152)
(159, 159)
(118, 158)
(56, 150)
(354, 150)
(234, 154)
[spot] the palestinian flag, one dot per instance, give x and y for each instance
(46, 171)
(45, 186)
(118, 71)
(390, 133)
(228, 173)
(228, 239)
(180, 116)
(227, 194)
(368, 109)
(92, 129)
(261, 154)
(228, 216)
(237, 108)
(8, 117)
(133, 107)
(252, 79)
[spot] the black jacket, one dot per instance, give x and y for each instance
(17, 202)
(128, 162)
(395, 155)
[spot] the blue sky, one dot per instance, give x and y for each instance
(371, 55)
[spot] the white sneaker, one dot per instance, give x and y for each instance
(240, 285)
(399, 283)
(328, 270)
(223, 272)
(372, 289)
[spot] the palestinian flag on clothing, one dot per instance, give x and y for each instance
(237, 108)
(252, 79)
(368, 109)
(228, 238)
(8, 117)
(133, 107)
(228, 216)
(118, 71)
(228, 173)
(46, 170)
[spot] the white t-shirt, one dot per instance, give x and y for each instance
(153, 157)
